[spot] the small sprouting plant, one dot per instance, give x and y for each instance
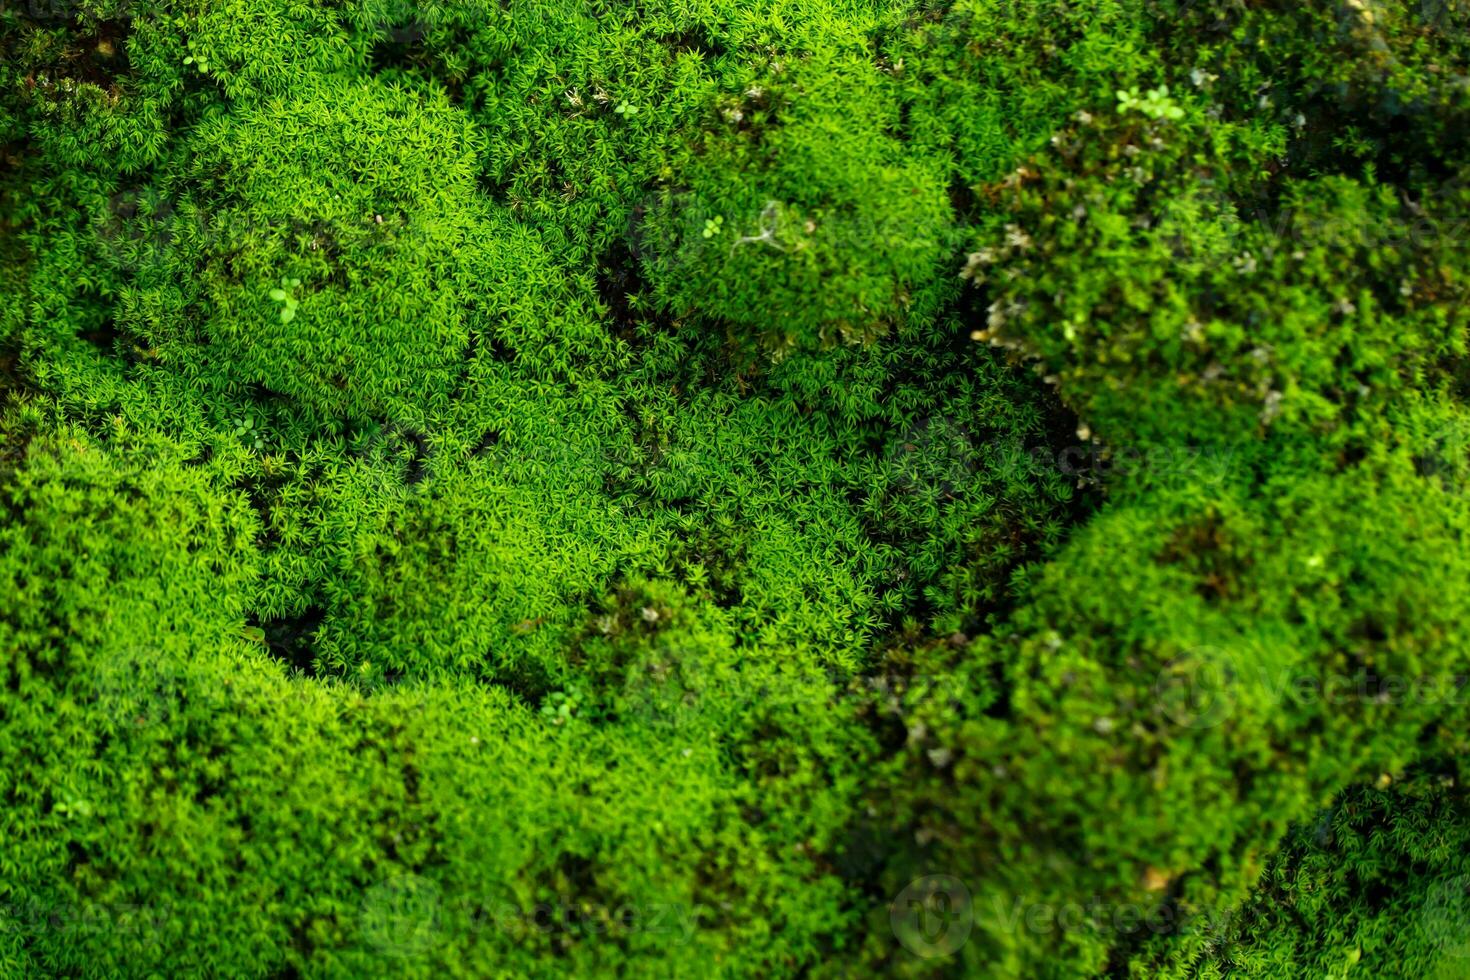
(559, 707)
(626, 110)
(245, 428)
(282, 294)
(1155, 103)
(73, 805)
(1352, 142)
(713, 226)
(197, 61)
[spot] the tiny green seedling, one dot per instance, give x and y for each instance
(72, 805)
(559, 708)
(282, 295)
(713, 226)
(245, 427)
(1156, 103)
(626, 109)
(197, 61)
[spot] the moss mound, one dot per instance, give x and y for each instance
(783, 488)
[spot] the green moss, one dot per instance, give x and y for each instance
(691, 488)
(801, 219)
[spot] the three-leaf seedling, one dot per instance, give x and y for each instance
(1155, 103)
(559, 707)
(198, 61)
(282, 294)
(245, 428)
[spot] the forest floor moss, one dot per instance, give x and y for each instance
(734, 488)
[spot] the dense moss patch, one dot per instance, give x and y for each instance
(797, 487)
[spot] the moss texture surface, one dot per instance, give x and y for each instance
(734, 488)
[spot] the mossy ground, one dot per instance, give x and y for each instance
(713, 488)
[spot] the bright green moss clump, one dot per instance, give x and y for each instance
(801, 488)
(363, 201)
(800, 218)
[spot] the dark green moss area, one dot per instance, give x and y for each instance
(734, 488)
